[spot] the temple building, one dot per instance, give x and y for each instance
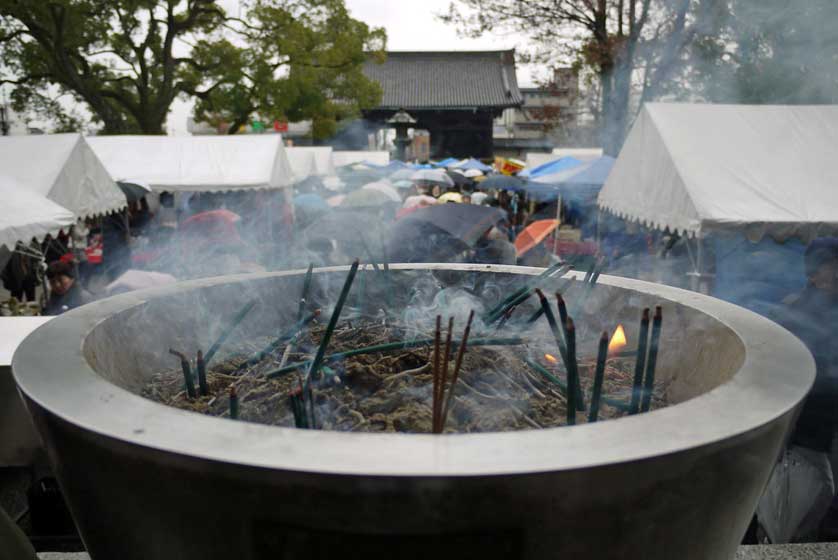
(454, 95)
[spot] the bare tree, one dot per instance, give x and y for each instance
(625, 42)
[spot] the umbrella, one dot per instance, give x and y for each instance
(503, 183)
(534, 234)
(384, 188)
(308, 206)
(419, 200)
(365, 198)
(451, 197)
(335, 200)
(310, 201)
(403, 174)
(447, 162)
(472, 163)
(464, 222)
(133, 190)
(459, 179)
(210, 218)
(438, 233)
(215, 227)
(353, 231)
(433, 176)
(403, 184)
(472, 173)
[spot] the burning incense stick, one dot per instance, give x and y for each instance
(562, 308)
(649, 385)
(286, 337)
(202, 373)
(563, 387)
(234, 403)
(333, 320)
(535, 316)
(559, 334)
(187, 373)
(573, 385)
(556, 269)
(304, 295)
(642, 342)
(436, 372)
(599, 376)
(226, 333)
(456, 374)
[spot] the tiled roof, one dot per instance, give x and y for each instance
(446, 80)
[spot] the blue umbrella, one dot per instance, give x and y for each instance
(310, 201)
(472, 163)
(551, 167)
(446, 162)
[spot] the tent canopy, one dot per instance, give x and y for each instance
(702, 168)
(341, 158)
(310, 161)
(61, 168)
(25, 214)
(197, 163)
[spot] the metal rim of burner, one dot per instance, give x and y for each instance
(51, 370)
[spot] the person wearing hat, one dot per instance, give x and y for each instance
(802, 486)
(65, 292)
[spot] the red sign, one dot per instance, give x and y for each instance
(281, 126)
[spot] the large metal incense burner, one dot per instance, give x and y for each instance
(147, 481)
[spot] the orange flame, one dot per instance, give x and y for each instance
(551, 358)
(618, 341)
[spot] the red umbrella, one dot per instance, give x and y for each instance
(534, 234)
(214, 224)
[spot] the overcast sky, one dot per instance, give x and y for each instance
(411, 26)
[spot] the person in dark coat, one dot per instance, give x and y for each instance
(20, 276)
(65, 292)
(801, 487)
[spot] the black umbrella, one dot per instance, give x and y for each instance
(437, 232)
(134, 190)
(460, 180)
(502, 183)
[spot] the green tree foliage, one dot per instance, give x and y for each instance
(127, 60)
(299, 60)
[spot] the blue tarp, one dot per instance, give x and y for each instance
(592, 174)
(550, 167)
(474, 164)
(580, 183)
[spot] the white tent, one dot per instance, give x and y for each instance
(62, 168)
(310, 161)
(197, 163)
(703, 168)
(25, 214)
(342, 158)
